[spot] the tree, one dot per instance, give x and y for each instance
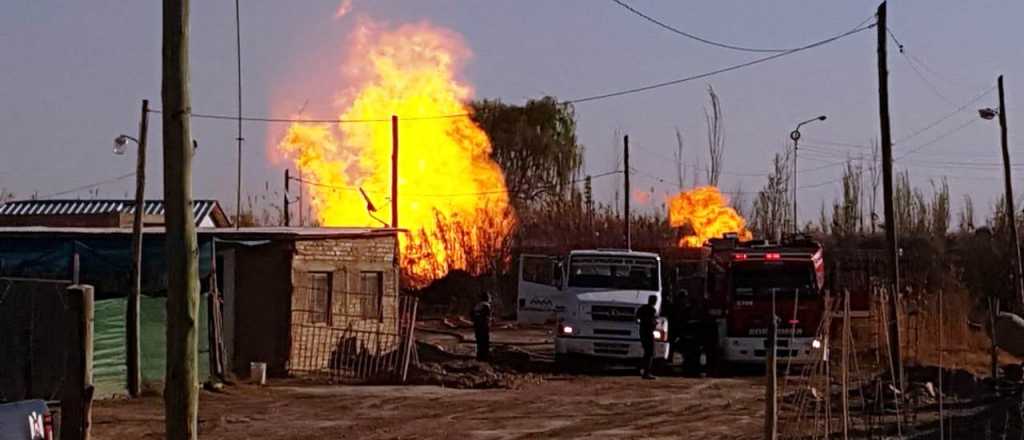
(680, 170)
(966, 215)
(847, 216)
(535, 145)
(716, 137)
(875, 173)
(772, 206)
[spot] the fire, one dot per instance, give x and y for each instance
(452, 195)
(707, 213)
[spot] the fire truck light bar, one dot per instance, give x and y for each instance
(739, 257)
(772, 256)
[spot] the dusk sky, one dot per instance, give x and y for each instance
(74, 74)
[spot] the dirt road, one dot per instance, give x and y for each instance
(570, 407)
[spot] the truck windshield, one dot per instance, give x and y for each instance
(614, 272)
(773, 278)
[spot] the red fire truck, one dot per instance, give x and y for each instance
(723, 305)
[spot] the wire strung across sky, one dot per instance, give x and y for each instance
(89, 186)
(695, 37)
(449, 195)
(859, 28)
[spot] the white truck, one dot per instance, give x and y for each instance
(592, 297)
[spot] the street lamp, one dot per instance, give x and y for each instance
(133, 348)
(795, 136)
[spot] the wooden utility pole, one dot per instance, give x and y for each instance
(625, 161)
(133, 359)
(181, 398)
(771, 416)
(394, 171)
(284, 201)
(891, 233)
(1018, 282)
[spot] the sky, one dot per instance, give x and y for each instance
(74, 73)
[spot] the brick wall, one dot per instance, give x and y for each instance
(344, 259)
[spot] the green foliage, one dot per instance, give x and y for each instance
(535, 145)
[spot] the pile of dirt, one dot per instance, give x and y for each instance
(469, 374)
(509, 368)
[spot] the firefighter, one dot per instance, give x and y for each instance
(482, 327)
(646, 316)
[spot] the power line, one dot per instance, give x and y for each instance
(695, 37)
(89, 186)
(944, 118)
(405, 194)
(860, 28)
(941, 137)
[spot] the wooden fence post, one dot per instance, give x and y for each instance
(76, 398)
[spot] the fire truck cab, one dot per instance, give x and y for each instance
(723, 297)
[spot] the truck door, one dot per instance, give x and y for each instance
(539, 291)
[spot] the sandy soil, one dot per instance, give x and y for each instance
(568, 407)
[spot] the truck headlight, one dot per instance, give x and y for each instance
(660, 335)
(816, 344)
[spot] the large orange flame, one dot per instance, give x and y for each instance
(452, 196)
(707, 214)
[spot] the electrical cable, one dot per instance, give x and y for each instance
(89, 186)
(695, 37)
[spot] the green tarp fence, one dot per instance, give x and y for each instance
(105, 263)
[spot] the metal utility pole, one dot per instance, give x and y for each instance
(795, 136)
(1011, 213)
(133, 347)
(181, 398)
(394, 171)
(625, 161)
(284, 202)
(238, 57)
(891, 234)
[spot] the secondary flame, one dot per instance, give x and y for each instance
(708, 215)
(452, 196)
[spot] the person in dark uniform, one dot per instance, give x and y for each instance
(646, 317)
(482, 327)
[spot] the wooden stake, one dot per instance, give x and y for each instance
(76, 397)
(845, 370)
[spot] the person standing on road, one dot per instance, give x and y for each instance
(482, 327)
(646, 316)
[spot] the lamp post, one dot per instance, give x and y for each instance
(989, 114)
(132, 349)
(795, 136)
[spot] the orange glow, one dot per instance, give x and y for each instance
(452, 196)
(707, 214)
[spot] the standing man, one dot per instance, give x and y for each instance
(482, 327)
(646, 317)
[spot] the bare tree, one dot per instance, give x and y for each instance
(680, 170)
(875, 172)
(772, 209)
(966, 216)
(716, 137)
(847, 215)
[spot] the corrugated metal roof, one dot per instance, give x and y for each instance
(201, 209)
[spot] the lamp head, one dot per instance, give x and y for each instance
(822, 117)
(119, 144)
(987, 113)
